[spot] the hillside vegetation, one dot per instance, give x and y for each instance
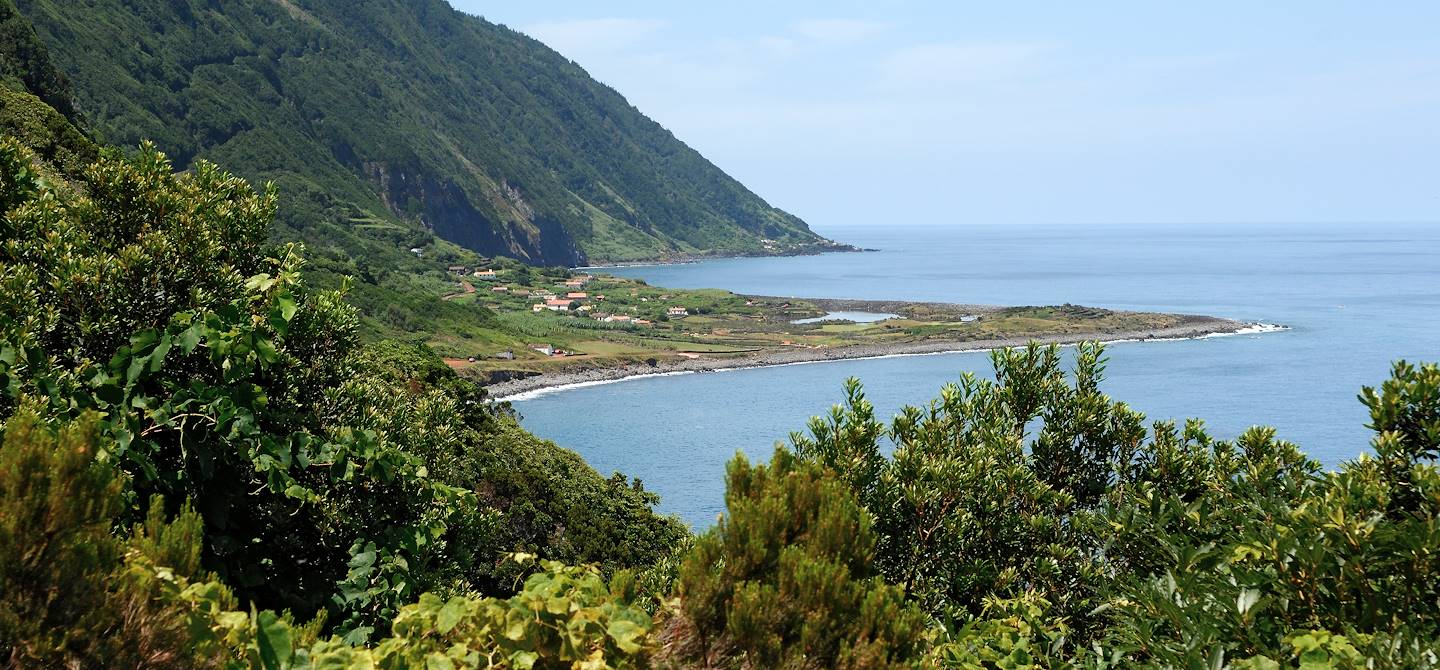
(202, 468)
(386, 122)
(205, 463)
(146, 311)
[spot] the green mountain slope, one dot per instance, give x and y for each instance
(36, 107)
(25, 63)
(387, 120)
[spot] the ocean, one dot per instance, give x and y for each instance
(1355, 298)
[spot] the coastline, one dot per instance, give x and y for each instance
(1196, 327)
(687, 259)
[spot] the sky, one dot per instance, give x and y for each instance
(895, 111)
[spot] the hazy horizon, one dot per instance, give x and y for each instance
(1082, 224)
(849, 113)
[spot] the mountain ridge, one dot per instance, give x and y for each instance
(388, 120)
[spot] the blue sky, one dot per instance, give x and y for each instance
(1039, 112)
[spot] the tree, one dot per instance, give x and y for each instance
(787, 580)
(966, 507)
(217, 376)
(72, 593)
(1248, 550)
(1098, 542)
(55, 544)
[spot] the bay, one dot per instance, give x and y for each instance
(1355, 297)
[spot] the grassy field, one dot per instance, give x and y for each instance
(602, 320)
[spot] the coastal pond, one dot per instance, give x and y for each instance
(852, 317)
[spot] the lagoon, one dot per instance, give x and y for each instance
(853, 317)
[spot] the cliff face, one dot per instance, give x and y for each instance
(403, 114)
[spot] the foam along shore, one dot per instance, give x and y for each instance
(1197, 327)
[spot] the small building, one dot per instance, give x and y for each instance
(557, 305)
(577, 295)
(600, 297)
(485, 274)
(544, 349)
(456, 269)
(537, 307)
(642, 322)
(600, 316)
(500, 289)
(506, 355)
(618, 318)
(677, 311)
(417, 251)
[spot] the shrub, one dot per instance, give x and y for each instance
(564, 617)
(786, 580)
(1264, 547)
(968, 507)
(72, 593)
(330, 477)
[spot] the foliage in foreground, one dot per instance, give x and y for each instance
(331, 478)
(198, 457)
(787, 580)
(74, 593)
(1213, 554)
(1043, 526)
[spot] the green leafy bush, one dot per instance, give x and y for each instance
(197, 451)
(74, 594)
(1045, 527)
(967, 507)
(564, 617)
(786, 580)
(215, 375)
(1263, 546)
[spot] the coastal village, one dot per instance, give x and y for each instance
(605, 310)
(542, 320)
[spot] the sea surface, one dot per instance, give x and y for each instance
(1355, 296)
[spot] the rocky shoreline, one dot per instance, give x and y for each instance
(1193, 327)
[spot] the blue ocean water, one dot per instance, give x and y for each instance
(1355, 297)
